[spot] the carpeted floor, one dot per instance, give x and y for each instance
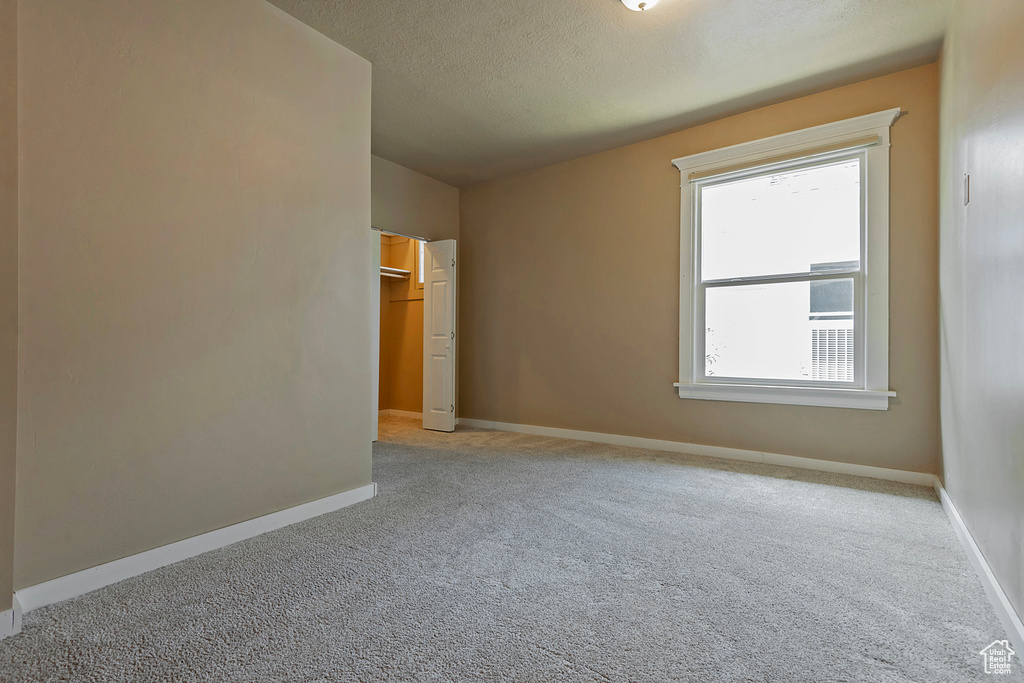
(490, 556)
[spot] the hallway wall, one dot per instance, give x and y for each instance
(194, 202)
(982, 280)
(8, 289)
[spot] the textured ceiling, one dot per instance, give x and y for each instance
(466, 91)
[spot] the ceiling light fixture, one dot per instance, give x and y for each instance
(639, 5)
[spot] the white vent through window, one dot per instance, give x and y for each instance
(832, 354)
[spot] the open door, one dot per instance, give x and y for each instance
(439, 336)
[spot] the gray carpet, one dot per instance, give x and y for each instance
(491, 556)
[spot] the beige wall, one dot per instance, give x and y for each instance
(570, 305)
(406, 327)
(410, 203)
(405, 330)
(982, 266)
(8, 288)
(195, 196)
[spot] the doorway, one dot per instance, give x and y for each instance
(414, 334)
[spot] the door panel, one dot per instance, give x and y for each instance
(440, 316)
(439, 337)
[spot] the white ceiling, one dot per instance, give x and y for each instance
(466, 91)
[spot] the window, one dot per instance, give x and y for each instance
(784, 282)
(420, 261)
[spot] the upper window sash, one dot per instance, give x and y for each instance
(795, 164)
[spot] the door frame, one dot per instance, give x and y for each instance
(375, 322)
(375, 332)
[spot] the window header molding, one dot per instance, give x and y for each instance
(813, 154)
(860, 131)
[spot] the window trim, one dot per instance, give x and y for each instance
(421, 268)
(864, 135)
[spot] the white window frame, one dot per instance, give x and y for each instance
(864, 137)
(421, 254)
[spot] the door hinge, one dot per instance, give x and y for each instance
(453, 263)
(453, 335)
(453, 408)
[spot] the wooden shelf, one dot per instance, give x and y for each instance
(395, 273)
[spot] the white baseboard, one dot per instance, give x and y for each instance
(87, 580)
(10, 620)
(917, 478)
(7, 624)
(401, 413)
(1004, 610)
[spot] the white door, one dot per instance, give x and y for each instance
(439, 337)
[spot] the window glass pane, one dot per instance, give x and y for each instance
(783, 331)
(790, 222)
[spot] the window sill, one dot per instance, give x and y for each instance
(797, 396)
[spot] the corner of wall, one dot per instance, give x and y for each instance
(10, 619)
(8, 292)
